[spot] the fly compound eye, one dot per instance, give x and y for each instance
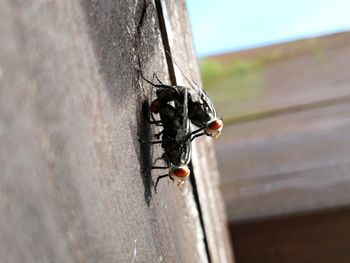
(214, 128)
(182, 172)
(155, 106)
(179, 172)
(216, 125)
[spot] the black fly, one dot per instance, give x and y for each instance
(172, 109)
(201, 111)
(177, 106)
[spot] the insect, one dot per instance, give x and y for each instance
(202, 113)
(176, 144)
(201, 110)
(177, 157)
(177, 106)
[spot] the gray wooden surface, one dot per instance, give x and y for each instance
(74, 183)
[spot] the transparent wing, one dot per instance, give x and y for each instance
(186, 152)
(185, 123)
(186, 129)
(201, 94)
(193, 85)
(207, 100)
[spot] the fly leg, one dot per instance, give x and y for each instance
(150, 142)
(158, 86)
(156, 160)
(152, 120)
(181, 183)
(156, 76)
(197, 135)
(160, 167)
(194, 134)
(157, 135)
(150, 82)
(157, 123)
(154, 142)
(159, 177)
(197, 131)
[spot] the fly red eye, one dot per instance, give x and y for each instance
(182, 172)
(216, 125)
(155, 106)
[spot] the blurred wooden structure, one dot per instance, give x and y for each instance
(321, 237)
(75, 184)
(290, 151)
(285, 162)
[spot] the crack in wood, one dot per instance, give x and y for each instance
(172, 77)
(165, 40)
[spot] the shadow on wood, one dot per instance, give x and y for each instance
(145, 157)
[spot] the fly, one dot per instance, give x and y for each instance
(171, 106)
(201, 111)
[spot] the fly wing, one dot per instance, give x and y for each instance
(193, 85)
(185, 122)
(199, 95)
(182, 131)
(186, 129)
(209, 103)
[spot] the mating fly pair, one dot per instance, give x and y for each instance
(177, 106)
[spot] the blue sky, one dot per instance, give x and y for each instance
(225, 25)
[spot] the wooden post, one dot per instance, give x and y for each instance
(75, 184)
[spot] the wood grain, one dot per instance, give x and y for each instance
(75, 184)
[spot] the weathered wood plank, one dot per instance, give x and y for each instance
(74, 185)
(298, 73)
(317, 237)
(292, 163)
(204, 161)
(291, 154)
